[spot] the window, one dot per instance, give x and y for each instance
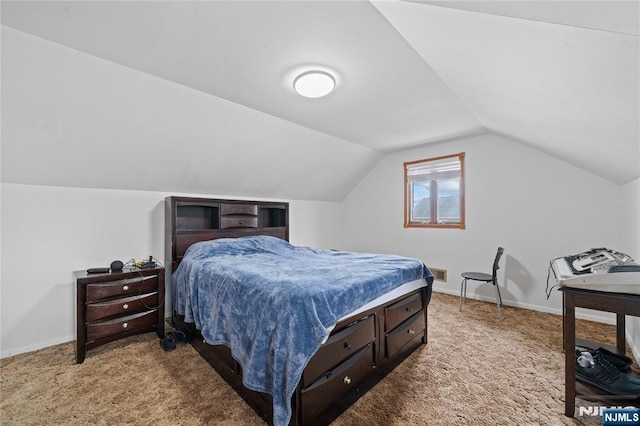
(434, 192)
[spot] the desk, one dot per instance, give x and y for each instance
(619, 303)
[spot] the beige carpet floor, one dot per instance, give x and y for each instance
(475, 370)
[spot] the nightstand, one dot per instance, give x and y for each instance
(115, 305)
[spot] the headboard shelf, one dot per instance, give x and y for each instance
(189, 220)
(194, 217)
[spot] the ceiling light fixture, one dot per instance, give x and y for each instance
(314, 84)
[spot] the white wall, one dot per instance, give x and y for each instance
(544, 208)
(535, 206)
(69, 118)
(630, 240)
(49, 232)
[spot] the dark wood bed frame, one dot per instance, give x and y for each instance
(361, 349)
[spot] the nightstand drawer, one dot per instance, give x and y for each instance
(246, 209)
(338, 347)
(124, 287)
(238, 222)
(119, 307)
(102, 329)
(400, 311)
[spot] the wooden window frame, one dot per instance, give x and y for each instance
(433, 206)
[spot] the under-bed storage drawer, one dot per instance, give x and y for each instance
(395, 314)
(223, 355)
(103, 329)
(339, 346)
(335, 383)
(404, 333)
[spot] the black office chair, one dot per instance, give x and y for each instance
(479, 276)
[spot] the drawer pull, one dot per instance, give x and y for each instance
(347, 380)
(411, 331)
(125, 306)
(408, 309)
(125, 325)
(125, 288)
(347, 346)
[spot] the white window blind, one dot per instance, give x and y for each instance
(434, 192)
(445, 168)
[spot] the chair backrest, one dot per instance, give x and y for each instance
(496, 262)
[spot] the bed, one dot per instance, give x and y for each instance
(300, 333)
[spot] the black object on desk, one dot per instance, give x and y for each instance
(97, 270)
(619, 303)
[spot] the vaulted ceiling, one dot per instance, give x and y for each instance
(216, 78)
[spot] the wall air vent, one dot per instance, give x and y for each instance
(439, 274)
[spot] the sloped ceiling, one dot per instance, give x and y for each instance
(570, 88)
(561, 77)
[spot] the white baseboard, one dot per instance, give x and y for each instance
(36, 346)
(609, 319)
(635, 349)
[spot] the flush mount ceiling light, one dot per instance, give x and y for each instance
(314, 84)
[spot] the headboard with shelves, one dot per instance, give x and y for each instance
(189, 220)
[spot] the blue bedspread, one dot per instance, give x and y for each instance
(273, 303)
